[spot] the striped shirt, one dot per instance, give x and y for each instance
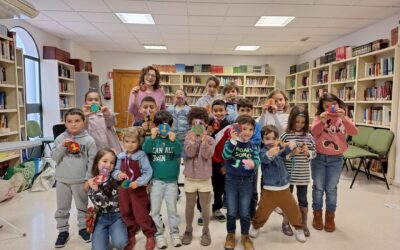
(298, 166)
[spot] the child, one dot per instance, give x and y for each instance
(329, 128)
(276, 114)
(298, 163)
(230, 92)
(164, 152)
(133, 165)
(198, 170)
(275, 191)
(217, 123)
(180, 111)
(74, 151)
(100, 122)
(149, 85)
(241, 159)
(212, 86)
(104, 196)
(148, 108)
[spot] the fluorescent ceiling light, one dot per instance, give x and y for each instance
(136, 18)
(247, 47)
(155, 47)
(274, 21)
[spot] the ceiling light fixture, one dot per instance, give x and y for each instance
(155, 47)
(247, 48)
(274, 21)
(136, 18)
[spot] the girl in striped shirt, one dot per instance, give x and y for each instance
(298, 162)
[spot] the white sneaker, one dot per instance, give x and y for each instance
(161, 242)
(253, 233)
(299, 234)
(176, 240)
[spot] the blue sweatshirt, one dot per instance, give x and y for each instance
(235, 152)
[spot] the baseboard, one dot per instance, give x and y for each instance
(396, 183)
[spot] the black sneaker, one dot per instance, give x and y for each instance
(85, 235)
(62, 239)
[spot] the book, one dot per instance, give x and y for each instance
(2, 100)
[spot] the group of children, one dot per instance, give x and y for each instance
(222, 148)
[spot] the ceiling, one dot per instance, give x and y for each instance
(207, 26)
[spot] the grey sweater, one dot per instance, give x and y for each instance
(74, 168)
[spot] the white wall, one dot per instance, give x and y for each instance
(368, 34)
(76, 51)
(104, 62)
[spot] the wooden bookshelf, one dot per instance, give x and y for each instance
(12, 111)
(253, 86)
(358, 81)
(58, 92)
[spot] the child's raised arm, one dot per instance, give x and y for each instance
(146, 170)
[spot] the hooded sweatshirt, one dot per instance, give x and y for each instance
(73, 168)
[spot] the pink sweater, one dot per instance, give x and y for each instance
(133, 107)
(198, 164)
(330, 139)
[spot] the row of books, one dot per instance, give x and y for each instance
(63, 86)
(322, 76)
(305, 81)
(347, 94)
(168, 89)
(291, 96)
(192, 80)
(227, 79)
(195, 90)
(3, 100)
(214, 69)
(257, 91)
(304, 96)
(64, 102)
(378, 115)
(7, 50)
(349, 111)
(382, 91)
(266, 81)
(258, 101)
(343, 74)
(64, 71)
(384, 67)
(3, 122)
(394, 36)
(3, 30)
(320, 92)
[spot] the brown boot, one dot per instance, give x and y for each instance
(329, 221)
(131, 241)
(304, 213)
(246, 242)
(230, 242)
(317, 220)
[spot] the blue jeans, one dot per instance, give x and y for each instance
(239, 192)
(301, 194)
(109, 225)
(167, 191)
(325, 171)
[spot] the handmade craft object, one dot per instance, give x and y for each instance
(215, 125)
(94, 108)
(237, 127)
(198, 127)
(164, 129)
(73, 147)
(126, 183)
(248, 164)
(102, 177)
(270, 103)
(143, 87)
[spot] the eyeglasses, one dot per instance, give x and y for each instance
(151, 75)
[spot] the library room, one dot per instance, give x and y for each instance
(199, 124)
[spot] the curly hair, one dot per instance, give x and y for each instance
(198, 113)
(146, 70)
(137, 132)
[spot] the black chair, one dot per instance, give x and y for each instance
(58, 129)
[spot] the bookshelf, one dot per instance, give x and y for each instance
(58, 92)
(364, 83)
(12, 108)
(253, 86)
(84, 81)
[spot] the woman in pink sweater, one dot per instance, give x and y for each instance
(149, 85)
(199, 149)
(329, 129)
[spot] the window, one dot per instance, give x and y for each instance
(32, 74)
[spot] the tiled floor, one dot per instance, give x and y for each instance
(363, 222)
